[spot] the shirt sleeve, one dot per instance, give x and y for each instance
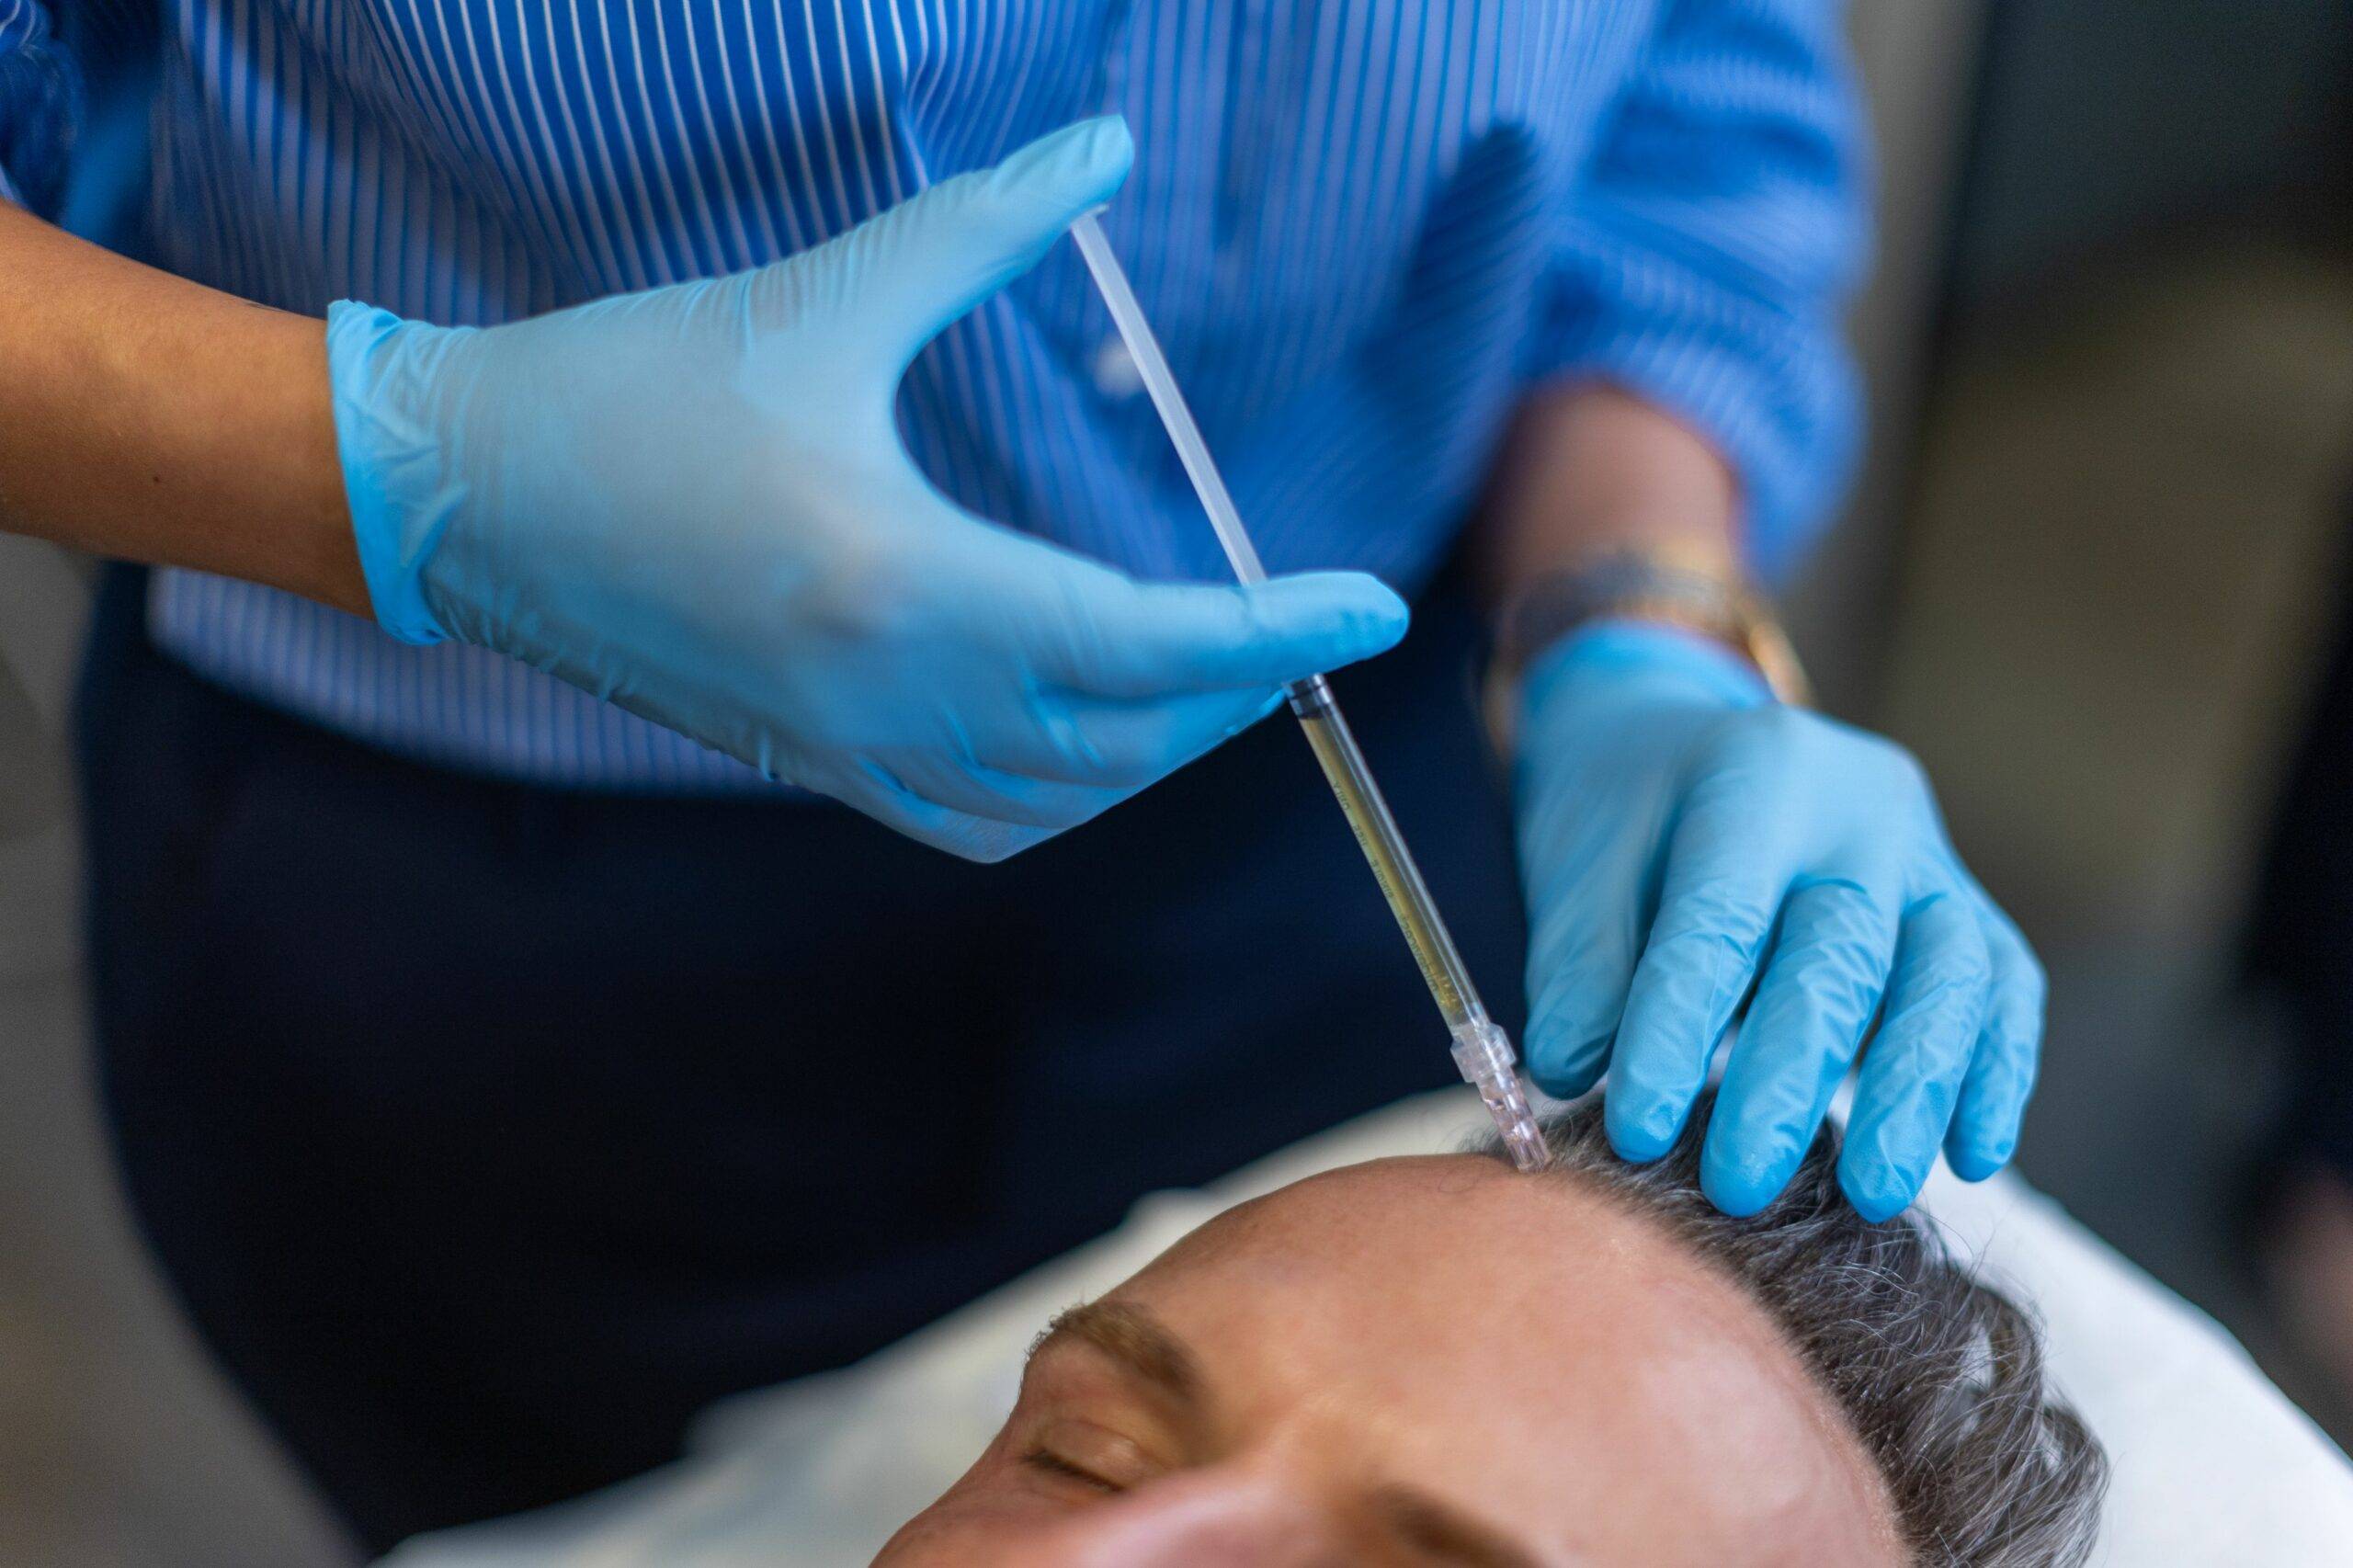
(39, 94)
(1709, 249)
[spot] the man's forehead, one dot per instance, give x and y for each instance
(1461, 1261)
(1411, 1302)
(1475, 1213)
(1361, 1198)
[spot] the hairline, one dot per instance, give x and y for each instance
(1826, 1410)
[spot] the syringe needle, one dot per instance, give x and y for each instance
(1481, 1050)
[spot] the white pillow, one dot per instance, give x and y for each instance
(2212, 1464)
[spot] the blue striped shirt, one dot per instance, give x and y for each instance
(1364, 228)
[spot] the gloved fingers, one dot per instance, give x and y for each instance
(1124, 744)
(1591, 898)
(1114, 637)
(2001, 1069)
(991, 794)
(1718, 899)
(1823, 983)
(1912, 1074)
(912, 270)
(872, 788)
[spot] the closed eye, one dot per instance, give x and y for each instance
(1048, 1462)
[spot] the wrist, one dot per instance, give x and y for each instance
(148, 417)
(1627, 608)
(289, 453)
(1620, 649)
(1699, 592)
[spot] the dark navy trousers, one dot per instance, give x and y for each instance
(486, 1131)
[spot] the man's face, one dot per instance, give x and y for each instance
(1428, 1361)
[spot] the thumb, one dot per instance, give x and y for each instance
(1146, 639)
(920, 266)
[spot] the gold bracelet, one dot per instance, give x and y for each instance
(1670, 587)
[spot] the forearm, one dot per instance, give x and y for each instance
(1589, 472)
(147, 417)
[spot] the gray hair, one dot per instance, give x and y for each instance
(1940, 1376)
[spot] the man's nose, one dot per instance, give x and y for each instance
(1204, 1518)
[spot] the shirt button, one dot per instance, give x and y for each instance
(1116, 375)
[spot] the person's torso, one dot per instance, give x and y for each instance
(1338, 217)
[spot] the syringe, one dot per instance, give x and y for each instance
(1481, 1050)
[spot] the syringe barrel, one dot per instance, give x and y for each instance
(1350, 776)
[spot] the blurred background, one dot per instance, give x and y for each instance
(2092, 575)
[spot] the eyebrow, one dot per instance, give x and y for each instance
(1138, 1342)
(1152, 1354)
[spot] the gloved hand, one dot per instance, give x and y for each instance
(1678, 832)
(694, 501)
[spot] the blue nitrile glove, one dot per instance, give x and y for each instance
(1678, 831)
(694, 501)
